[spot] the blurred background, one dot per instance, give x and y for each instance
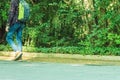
(88, 27)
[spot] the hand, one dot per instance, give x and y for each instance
(7, 28)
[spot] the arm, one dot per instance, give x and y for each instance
(11, 15)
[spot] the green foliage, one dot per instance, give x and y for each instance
(69, 50)
(77, 50)
(93, 26)
(3, 12)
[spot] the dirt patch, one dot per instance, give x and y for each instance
(66, 58)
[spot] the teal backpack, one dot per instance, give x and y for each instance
(23, 11)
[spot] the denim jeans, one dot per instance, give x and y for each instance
(15, 29)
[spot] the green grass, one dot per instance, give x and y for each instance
(69, 50)
(1, 54)
(76, 50)
(67, 58)
(75, 61)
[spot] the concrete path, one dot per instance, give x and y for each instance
(14, 70)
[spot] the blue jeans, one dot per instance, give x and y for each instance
(15, 29)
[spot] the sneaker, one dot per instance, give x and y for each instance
(18, 56)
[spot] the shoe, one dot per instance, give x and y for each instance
(18, 56)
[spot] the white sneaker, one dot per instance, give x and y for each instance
(18, 56)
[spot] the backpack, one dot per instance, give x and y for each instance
(23, 11)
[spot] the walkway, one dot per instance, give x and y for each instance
(12, 70)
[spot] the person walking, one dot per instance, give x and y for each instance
(15, 26)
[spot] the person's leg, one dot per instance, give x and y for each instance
(19, 42)
(9, 37)
(19, 37)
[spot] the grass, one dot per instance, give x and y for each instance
(69, 50)
(76, 59)
(76, 55)
(67, 58)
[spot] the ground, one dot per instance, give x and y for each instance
(66, 58)
(15, 70)
(41, 66)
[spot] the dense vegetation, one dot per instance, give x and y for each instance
(76, 26)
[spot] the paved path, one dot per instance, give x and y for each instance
(11, 70)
